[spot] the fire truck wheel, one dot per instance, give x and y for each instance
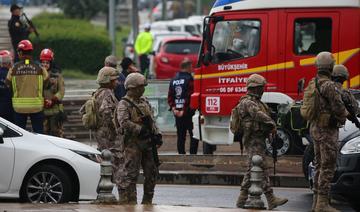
(283, 144)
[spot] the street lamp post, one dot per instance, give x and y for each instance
(112, 33)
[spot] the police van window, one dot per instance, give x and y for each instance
(312, 35)
(235, 40)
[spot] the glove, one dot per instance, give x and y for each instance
(157, 139)
(48, 103)
(144, 133)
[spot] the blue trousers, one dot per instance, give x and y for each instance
(37, 120)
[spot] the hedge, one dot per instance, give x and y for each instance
(77, 44)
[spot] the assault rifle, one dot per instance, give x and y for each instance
(272, 139)
(155, 139)
(352, 113)
(30, 24)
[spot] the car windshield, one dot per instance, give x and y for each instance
(236, 39)
(182, 47)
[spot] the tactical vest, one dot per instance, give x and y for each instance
(179, 86)
(27, 84)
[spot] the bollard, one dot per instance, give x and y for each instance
(105, 187)
(256, 179)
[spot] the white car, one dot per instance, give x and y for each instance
(46, 169)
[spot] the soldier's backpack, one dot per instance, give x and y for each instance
(235, 121)
(311, 102)
(88, 113)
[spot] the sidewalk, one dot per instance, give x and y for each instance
(13, 207)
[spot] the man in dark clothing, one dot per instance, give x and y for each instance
(6, 108)
(128, 67)
(18, 30)
(180, 89)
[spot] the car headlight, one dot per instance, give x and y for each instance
(91, 156)
(351, 147)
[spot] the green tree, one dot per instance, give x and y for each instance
(84, 9)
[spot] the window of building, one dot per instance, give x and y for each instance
(235, 40)
(312, 35)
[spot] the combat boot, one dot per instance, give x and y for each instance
(147, 199)
(274, 201)
(123, 197)
(323, 204)
(240, 203)
(315, 196)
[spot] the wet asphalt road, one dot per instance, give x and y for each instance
(185, 198)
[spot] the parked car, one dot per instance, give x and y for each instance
(346, 181)
(185, 25)
(158, 38)
(45, 169)
(171, 52)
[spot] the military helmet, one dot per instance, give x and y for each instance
(325, 60)
(340, 71)
(134, 80)
(106, 74)
(255, 80)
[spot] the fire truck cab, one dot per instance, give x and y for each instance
(278, 39)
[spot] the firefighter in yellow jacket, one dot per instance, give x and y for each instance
(26, 79)
(54, 91)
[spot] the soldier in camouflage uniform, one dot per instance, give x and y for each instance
(339, 75)
(132, 149)
(256, 125)
(54, 90)
(105, 106)
(324, 130)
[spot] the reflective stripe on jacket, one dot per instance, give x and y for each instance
(27, 84)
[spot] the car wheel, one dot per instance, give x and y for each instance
(46, 184)
(283, 143)
(307, 159)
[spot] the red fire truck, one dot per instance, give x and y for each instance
(278, 39)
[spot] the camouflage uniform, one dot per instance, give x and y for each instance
(256, 125)
(326, 136)
(106, 104)
(324, 130)
(54, 90)
(132, 150)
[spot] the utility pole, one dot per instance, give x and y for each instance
(163, 10)
(135, 23)
(112, 33)
(198, 7)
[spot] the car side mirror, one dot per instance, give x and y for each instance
(1, 135)
(301, 85)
